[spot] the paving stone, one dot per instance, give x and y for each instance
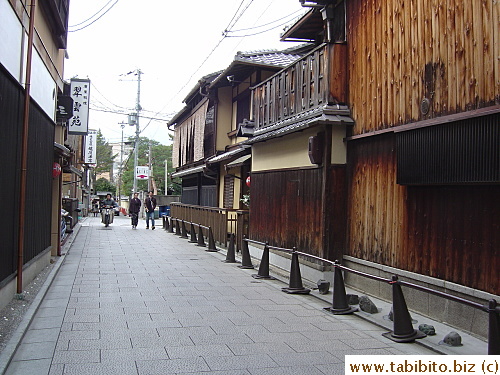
(198, 351)
(276, 336)
(361, 343)
(76, 356)
(234, 329)
(172, 366)
(136, 354)
(299, 359)
(220, 339)
(127, 368)
(34, 351)
(296, 370)
(240, 362)
(118, 343)
(260, 348)
(142, 342)
(40, 366)
(41, 335)
(172, 308)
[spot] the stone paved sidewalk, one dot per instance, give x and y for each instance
(148, 302)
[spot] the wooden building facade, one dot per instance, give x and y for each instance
(32, 51)
(208, 155)
(418, 86)
(423, 157)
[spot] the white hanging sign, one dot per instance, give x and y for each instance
(90, 147)
(80, 93)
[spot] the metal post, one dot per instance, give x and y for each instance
(493, 328)
(24, 153)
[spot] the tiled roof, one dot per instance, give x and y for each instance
(337, 114)
(229, 154)
(269, 57)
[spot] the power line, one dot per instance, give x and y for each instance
(98, 18)
(241, 14)
(234, 15)
(266, 24)
(110, 102)
(92, 16)
(123, 113)
(217, 45)
(259, 32)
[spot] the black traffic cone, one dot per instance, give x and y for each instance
(230, 256)
(246, 261)
(403, 330)
(339, 304)
(493, 328)
(183, 230)
(201, 240)
(264, 266)
(171, 226)
(193, 234)
(211, 242)
(164, 222)
(295, 285)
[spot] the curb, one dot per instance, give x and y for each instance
(432, 342)
(10, 349)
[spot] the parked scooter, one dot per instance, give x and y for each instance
(107, 215)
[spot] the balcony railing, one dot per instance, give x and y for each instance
(306, 84)
(222, 221)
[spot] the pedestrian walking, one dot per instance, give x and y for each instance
(134, 208)
(150, 204)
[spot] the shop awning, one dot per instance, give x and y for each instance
(61, 150)
(238, 162)
(229, 154)
(189, 171)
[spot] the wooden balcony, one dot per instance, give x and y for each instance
(318, 79)
(222, 221)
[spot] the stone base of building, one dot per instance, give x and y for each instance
(454, 314)
(31, 270)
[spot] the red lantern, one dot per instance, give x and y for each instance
(56, 170)
(248, 181)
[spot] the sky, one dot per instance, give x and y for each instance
(174, 43)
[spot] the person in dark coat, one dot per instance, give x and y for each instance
(150, 204)
(134, 208)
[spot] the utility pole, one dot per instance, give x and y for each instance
(166, 178)
(120, 171)
(150, 168)
(137, 130)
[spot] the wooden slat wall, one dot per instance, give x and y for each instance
(285, 209)
(447, 232)
(401, 51)
(375, 204)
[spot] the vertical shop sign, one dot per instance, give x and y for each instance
(90, 148)
(80, 93)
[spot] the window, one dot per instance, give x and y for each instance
(460, 152)
(228, 191)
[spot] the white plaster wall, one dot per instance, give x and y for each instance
(13, 52)
(11, 34)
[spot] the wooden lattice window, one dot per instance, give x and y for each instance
(228, 191)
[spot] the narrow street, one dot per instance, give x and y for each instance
(137, 302)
